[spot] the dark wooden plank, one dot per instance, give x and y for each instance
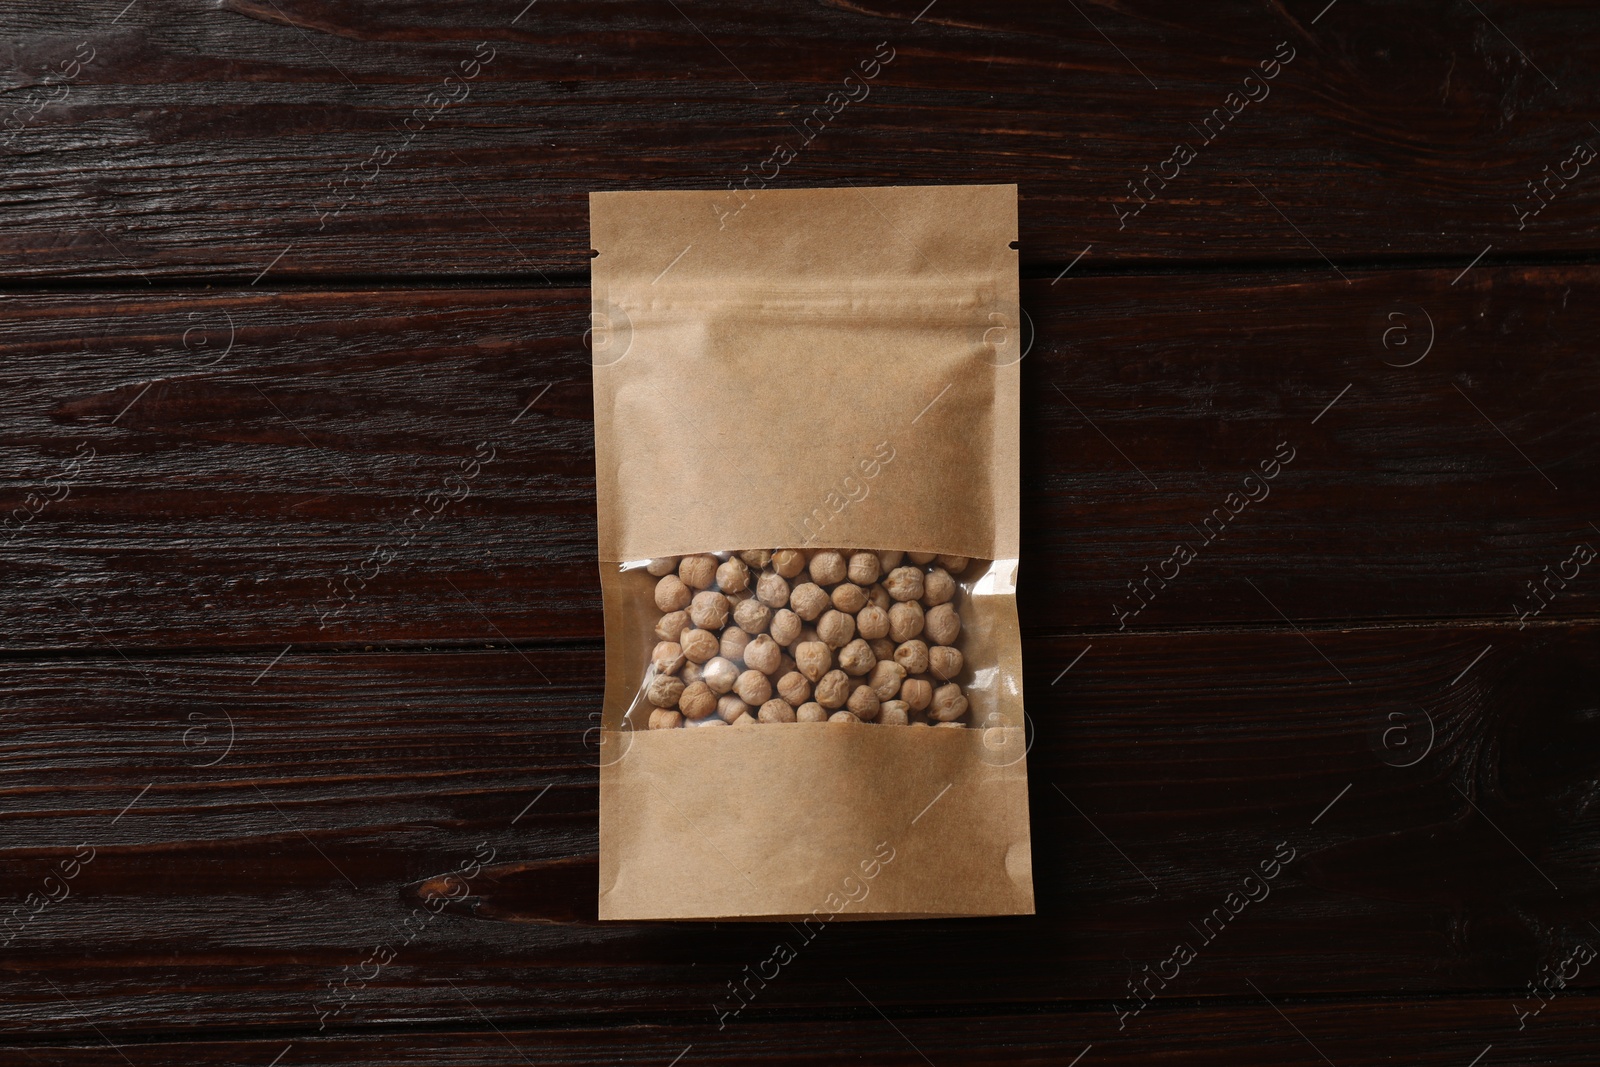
(1432, 784)
(230, 137)
(241, 496)
(1446, 1032)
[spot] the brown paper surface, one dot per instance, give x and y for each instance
(744, 371)
(828, 796)
(831, 368)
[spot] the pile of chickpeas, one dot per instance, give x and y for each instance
(790, 635)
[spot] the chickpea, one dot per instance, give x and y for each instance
(788, 562)
(660, 568)
(863, 568)
(922, 559)
(664, 691)
(894, 713)
(943, 624)
(667, 657)
(794, 688)
(698, 572)
(662, 719)
(709, 610)
(697, 701)
(733, 576)
(772, 590)
(762, 654)
(836, 629)
(905, 621)
(937, 588)
(828, 567)
(954, 564)
(809, 601)
(811, 712)
(856, 657)
(917, 693)
(752, 616)
(699, 645)
(753, 688)
(944, 662)
(949, 704)
(785, 627)
(776, 711)
(814, 659)
(885, 678)
(864, 702)
(913, 656)
(672, 594)
(734, 641)
(719, 673)
(832, 690)
(849, 598)
(756, 558)
(904, 583)
(872, 622)
(672, 624)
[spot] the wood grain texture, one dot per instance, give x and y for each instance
(1432, 785)
(1443, 1032)
(253, 453)
(221, 139)
(266, 321)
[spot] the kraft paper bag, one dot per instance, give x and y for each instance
(822, 368)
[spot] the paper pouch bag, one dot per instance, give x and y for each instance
(810, 369)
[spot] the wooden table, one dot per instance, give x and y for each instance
(272, 268)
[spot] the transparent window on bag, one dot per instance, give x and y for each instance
(856, 637)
